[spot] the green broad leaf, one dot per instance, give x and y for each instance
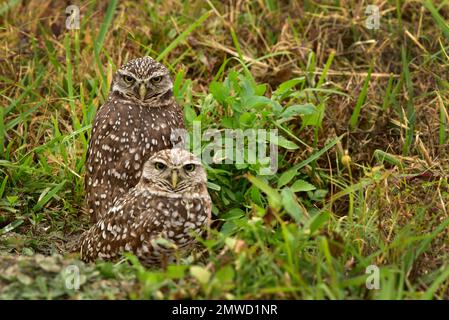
(153, 277)
(290, 204)
(274, 197)
(106, 269)
(179, 78)
(287, 144)
(277, 108)
(237, 107)
(247, 86)
(255, 102)
(299, 109)
(287, 85)
(213, 186)
(302, 185)
(12, 200)
(241, 166)
(318, 221)
(225, 274)
(318, 195)
(256, 196)
(286, 177)
(247, 118)
(315, 119)
(189, 114)
(176, 271)
(232, 81)
(227, 122)
(201, 274)
(235, 213)
(260, 89)
(219, 91)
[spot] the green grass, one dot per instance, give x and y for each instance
(362, 118)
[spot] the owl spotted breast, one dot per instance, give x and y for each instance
(138, 119)
(158, 219)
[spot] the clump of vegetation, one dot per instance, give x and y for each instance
(362, 151)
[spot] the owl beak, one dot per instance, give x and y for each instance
(174, 178)
(142, 91)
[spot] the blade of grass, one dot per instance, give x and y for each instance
(183, 35)
(21, 118)
(429, 294)
(313, 157)
(442, 24)
(27, 91)
(47, 196)
(8, 5)
(443, 121)
(322, 104)
(11, 226)
(2, 133)
(70, 89)
(235, 40)
(386, 103)
(3, 186)
(361, 99)
(326, 69)
(410, 112)
(104, 26)
(382, 156)
(100, 40)
(273, 196)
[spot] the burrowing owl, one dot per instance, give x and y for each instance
(137, 120)
(159, 217)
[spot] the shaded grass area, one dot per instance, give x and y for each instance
(362, 153)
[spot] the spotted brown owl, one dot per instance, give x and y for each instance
(136, 121)
(158, 219)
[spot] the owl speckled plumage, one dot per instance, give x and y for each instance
(159, 218)
(136, 121)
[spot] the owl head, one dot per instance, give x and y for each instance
(142, 80)
(174, 171)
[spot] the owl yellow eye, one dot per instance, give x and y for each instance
(128, 79)
(159, 166)
(156, 79)
(189, 167)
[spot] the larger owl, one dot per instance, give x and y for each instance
(139, 118)
(159, 218)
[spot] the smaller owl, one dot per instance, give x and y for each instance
(158, 219)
